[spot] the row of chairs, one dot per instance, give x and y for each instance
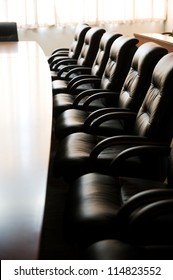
(114, 131)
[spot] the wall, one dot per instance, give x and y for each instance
(48, 39)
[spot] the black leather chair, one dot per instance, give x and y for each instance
(132, 210)
(86, 58)
(168, 33)
(8, 32)
(74, 50)
(91, 75)
(80, 153)
(131, 96)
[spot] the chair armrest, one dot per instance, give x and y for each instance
(72, 69)
(150, 149)
(59, 55)
(141, 199)
(157, 218)
(88, 93)
(99, 116)
(94, 80)
(79, 69)
(60, 50)
(154, 209)
(80, 77)
(119, 140)
(168, 33)
(58, 61)
(121, 115)
(102, 94)
(142, 209)
(65, 69)
(64, 62)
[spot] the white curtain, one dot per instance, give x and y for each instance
(28, 13)
(45, 13)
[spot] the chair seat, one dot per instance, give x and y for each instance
(72, 120)
(64, 101)
(78, 158)
(72, 159)
(112, 249)
(59, 85)
(93, 204)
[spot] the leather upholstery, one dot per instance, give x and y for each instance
(86, 57)
(112, 249)
(8, 31)
(79, 153)
(64, 100)
(131, 95)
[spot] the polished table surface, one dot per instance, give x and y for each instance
(25, 136)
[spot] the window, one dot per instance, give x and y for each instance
(45, 13)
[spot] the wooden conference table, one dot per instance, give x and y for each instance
(165, 41)
(25, 135)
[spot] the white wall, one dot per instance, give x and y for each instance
(54, 37)
(48, 39)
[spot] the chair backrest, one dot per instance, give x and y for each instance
(155, 116)
(8, 32)
(118, 64)
(90, 46)
(78, 40)
(138, 79)
(102, 56)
